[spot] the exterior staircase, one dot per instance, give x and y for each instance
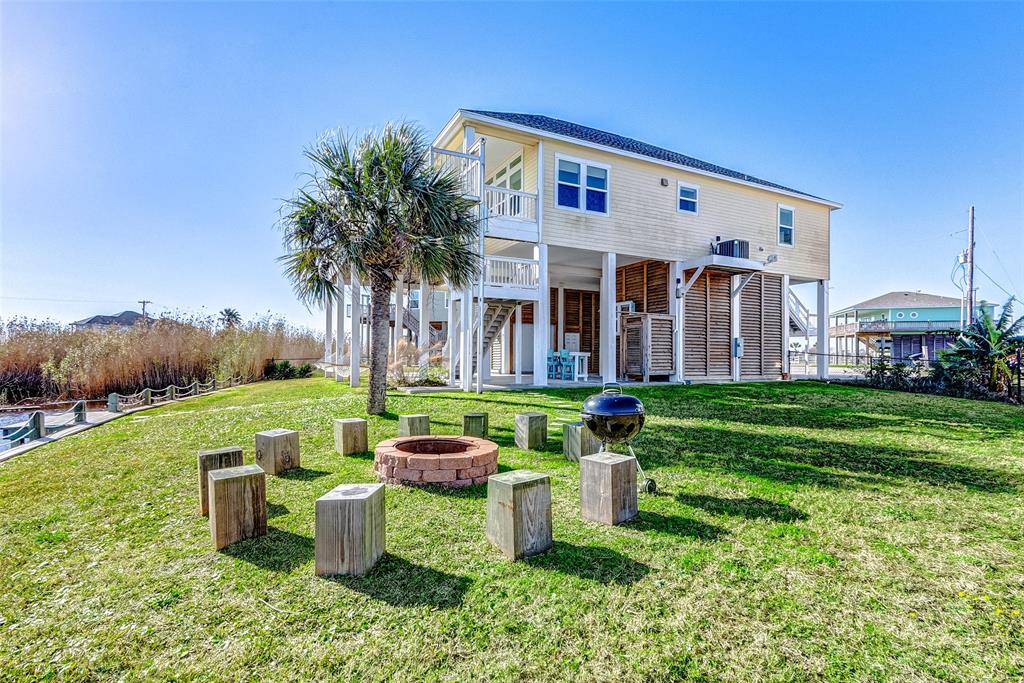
(497, 313)
(411, 320)
(801, 320)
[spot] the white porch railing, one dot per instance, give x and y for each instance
(504, 271)
(511, 203)
(465, 166)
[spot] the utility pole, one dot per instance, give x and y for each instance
(970, 266)
(144, 302)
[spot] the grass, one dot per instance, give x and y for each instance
(801, 531)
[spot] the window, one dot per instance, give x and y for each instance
(414, 300)
(581, 185)
(509, 176)
(688, 198)
(786, 225)
(913, 314)
(899, 316)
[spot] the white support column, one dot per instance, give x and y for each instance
(452, 341)
(423, 335)
(506, 341)
(560, 324)
(785, 324)
(541, 320)
(735, 285)
(822, 329)
(355, 343)
(677, 306)
(339, 346)
(466, 354)
(608, 318)
(398, 330)
(328, 337)
(518, 355)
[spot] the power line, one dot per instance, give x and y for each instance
(1009, 294)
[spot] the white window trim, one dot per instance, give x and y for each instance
(913, 314)
(690, 186)
(583, 186)
(506, 165)
(779, 226)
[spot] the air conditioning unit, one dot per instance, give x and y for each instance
(734, 248)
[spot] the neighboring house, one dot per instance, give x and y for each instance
(656, 264)
(122, 319)
(906, 324)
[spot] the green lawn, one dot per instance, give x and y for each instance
(801, 531)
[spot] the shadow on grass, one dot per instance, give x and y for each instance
(798, 459)
(303, 474)
(276, 510)
(593, 563)
(401, 583)
(677, 526)
(751, 508)
(278, 551)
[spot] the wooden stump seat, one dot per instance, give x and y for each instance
(413, 425)
(216, 459)
(519, 513)
(277, 450)
(578, 441)
(349, 529)
(238, 504)
(531, 431)
(608, 488)
(350, 436)
(475, 424)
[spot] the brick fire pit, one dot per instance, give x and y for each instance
(454, 461)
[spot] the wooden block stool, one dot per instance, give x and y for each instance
(531, 431)
(350, 436)
(349, 529)
(608, 488)
(238, 504)
(578, 441)
(277, 450)
(413, 425)
(475, 424)
(214, 460)
(519, 513)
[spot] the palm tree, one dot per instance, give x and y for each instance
(229, 317)
(985, 346)
(377, 206)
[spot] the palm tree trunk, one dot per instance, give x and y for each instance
(380, 332)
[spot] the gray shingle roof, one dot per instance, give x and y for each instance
(606, 139)
(904, 300)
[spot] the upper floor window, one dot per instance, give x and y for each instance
(786, 215)
(509, 175)
(688, 195)
(581, 185)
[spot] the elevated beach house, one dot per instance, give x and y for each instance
(907, 325)
(631, 261)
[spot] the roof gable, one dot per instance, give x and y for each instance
(904, 300)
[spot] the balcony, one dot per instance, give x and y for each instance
(464, 165)
(890, 326)
(511, 278)
(511, 214)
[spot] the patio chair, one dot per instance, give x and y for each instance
(553, 369)
(566, 365)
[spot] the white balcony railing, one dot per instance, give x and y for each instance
(504, 271)
(511, 203)
(465, 166)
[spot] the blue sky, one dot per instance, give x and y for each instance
(145, 147)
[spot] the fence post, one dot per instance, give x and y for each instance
(38, 422)
(147, 396)
(172, 393)
(214, 387)
(80, 411)
(195, 387)
(112, 403)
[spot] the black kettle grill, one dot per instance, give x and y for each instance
(615, 417)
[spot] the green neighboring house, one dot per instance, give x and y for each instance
(910, 325)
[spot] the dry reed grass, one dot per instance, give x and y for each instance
(43, 359)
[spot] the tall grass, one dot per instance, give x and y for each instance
(43, 359)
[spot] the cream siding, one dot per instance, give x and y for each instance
(643, 219)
